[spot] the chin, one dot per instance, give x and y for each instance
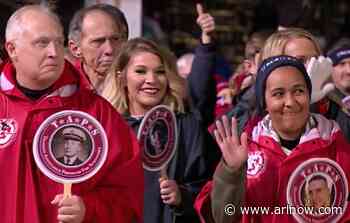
(151, 103)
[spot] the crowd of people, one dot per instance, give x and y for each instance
(275, 134)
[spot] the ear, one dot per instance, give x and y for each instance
(74, 48)
(11, 50)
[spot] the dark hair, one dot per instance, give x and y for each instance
(255, 42)
(75, 26)
(318, 177)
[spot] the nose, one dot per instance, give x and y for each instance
(67, 144)
(108, 47)
(52, 50)
(151, 77)
(289, 100)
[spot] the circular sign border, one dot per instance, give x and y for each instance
(148, 114)
(36, 142)
(300, 167)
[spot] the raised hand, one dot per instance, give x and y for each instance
(70, 209)
(319, 71)
(169, 192)
(206, 22)
(234, 149)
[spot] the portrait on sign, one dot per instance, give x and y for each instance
(71, 146)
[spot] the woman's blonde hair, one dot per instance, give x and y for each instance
(275, 45)
(115, 88)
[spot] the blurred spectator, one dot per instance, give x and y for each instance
(228, 92)
(245, 76)
(336, 104)
(200, 80)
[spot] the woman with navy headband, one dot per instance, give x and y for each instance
(292, 168)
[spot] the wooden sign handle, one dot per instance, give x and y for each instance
(67, 190)
(163, 173)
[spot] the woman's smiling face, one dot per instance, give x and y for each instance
(146, 82)
(287, 101)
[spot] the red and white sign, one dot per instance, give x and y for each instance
(70, 146)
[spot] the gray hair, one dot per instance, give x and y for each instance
(14, 27)
(75, 26)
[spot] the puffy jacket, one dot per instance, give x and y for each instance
(279, 180)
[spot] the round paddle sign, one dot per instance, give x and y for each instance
(157, 136)
(70, 146)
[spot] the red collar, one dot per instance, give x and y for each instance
(85, 80)
(70, 76)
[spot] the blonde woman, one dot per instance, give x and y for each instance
(143, 76)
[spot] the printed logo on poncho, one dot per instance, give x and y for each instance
(320, 188)
(8, 130)
(70, 146)
(256, 163)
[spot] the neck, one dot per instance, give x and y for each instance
(288, 135)
(137, 111)
(96, 78)
(33, 85)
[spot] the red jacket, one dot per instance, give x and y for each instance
(276, 180)
(114, 194)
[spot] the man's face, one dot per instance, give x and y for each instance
(72, 147)
(319, 193)
(341, 75)
(38, 53)
(100, 41)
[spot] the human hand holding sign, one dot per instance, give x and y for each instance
(169, 192)
(319, 70)
(206, 22)
(70, 209)
(234, 149)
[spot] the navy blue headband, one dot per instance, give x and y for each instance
(269, 65)
(339, 54)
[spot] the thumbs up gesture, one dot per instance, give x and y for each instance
(206, 22)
